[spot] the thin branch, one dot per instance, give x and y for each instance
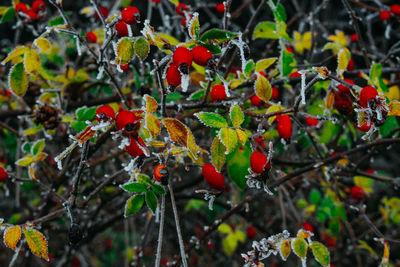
(160, 232)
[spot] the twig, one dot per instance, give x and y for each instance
(160, 232)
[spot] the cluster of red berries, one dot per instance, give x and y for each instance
(386, 14)
(182, 60)
(3, 174)
(31, 14)
(214, 178)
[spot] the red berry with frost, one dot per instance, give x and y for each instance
(136, 147)
(220, 8)
(357, 194)
(181, 8)
(182, 55)
(366, 94)
(259, 162)
(354, 37)
(365, 127)
(91, 37)
(294, 74)
(173, 76)
(395, 9)
(308, 227)
(343, 103)
(124, 67)
(105, 113)
(251, 232)
(214, 178)
(21, 7)
(201, 55)
(275, 93)
(160, 174)
(39, 6)
(218, 92)
(122, 29)
(311, 121)
(130, 15)
(284, 126)
(344, 89)
(3, 174)
(125, 118)
(104, 12)
(255, 101)
(384, 15)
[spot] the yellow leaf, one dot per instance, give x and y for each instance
(177, 130)
(11, 236)
(263, 64)
(284, 249)
(172, 40)
(229, 138)
(175, 2)
(31, 131)
(191, 143)
(224, 228)
(31, 172)
(218, 153)
(18, 80)
(124, 51)
(364, 182)
(153, 125)
(307, 40)
(151, 104)
(43, 44)
(16, 53)
(340, 38)
(364, 245)
(330, 99)
(235, 83)
(157, 144)
(394, 108)
(25, 161)
(32, 62)
(2, 10)
(241, 136)
(394, 93)
(40, 156)
(343, 58)
(194, 29)
(385, 257)
(272, 109)
(263, 88)
(229, 244)
(37, 243)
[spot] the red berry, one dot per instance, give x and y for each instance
(214, 178)
(3, 174)
(181, 8)
(164, 262)
(395, 9)
(156, 1)
(136, 147)
(284, 126)
(366, 94)
(251, 232)
(365, 127)
(105, 113)
(159, 172)
(344, 89)
(354, 37)
(130, 15)
(289, 49)
(32, 15)
(75, 262)
(260, 141)
(220, 8)
(173, 76)
(350, 65)
(108, 243)
(21, 7)
(311, 121)
(92, 38)
(331, 242)
(210, 245)
(124, 118)
(384, 15)
(343, 103)
(124, 67)
(121, 28)
(370, 171)
(218, 92)
(201, 55)
(182, 55)
(275, 93)
(255, 101)
(104, 12)
(39, 5)
(308, 227)
(259, 162)
(294, 74)
(357, 194)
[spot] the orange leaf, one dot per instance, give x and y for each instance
(177, 130)
(37, 243)
(11, 237)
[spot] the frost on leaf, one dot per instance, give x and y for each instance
(177, 130)
(321, 253)
(229, 138)
(236, 114)
(212, 119)
(124, 51)
(284, 249)
(18, 80)
(263, 88)
(218, 153)
(37, 243)
(11, 236)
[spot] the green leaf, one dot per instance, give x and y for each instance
(263, 88)
(37, 147)
(25, 161)
(213, 48)
(56, 21)
(321, 253)
(265, 30)
(218, 35)
(158, 189)
(224, 228)
(195, 204)
(134, 187)
(299, 247)
(218, 153)
(315, 197)
(288, 62)
(143, 178)
(151, 201)
(229, 138)
(281, 12)
(18, 80)
(26, 147)
(8, 15)
(124, 51)
(212, 119)
(236, 114)
(328, 132)
(173, 97)
(249, 68)
(78, 125)
(134, 204)
(142, 48)
(389, 125)
(89, 114)
(263, 64)
(375, 73)
(199, 94)
(238, 163)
